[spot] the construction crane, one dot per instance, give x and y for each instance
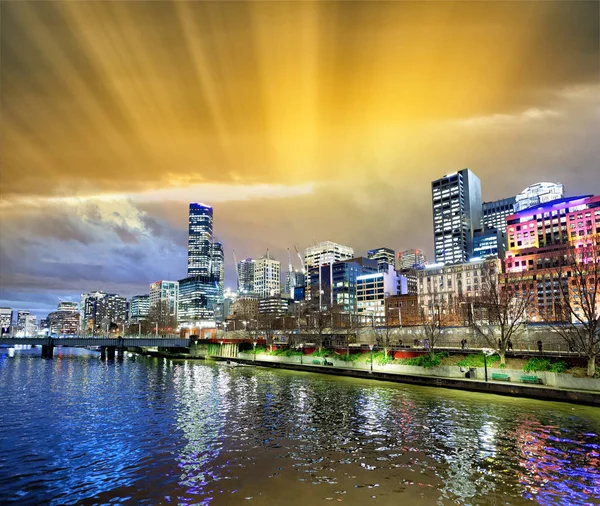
(301, 260)
(290, 279)
(237, 271)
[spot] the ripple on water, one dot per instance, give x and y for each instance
(151, 431)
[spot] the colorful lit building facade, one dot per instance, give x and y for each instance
(538, 250)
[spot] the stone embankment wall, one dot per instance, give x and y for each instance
(555, 380)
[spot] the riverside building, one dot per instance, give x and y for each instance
(538, 241)
(267, 276)
(457, 212)
(326, 252)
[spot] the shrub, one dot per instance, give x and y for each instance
(544, 364)
(260, 350)
(352, 357)
(477, 361)
(426, 361)
(287, 352)
(321, 353)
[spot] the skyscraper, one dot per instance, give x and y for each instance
(200, 231)
(5, 320)
(201, 292)
(495, 213)
(139, 306)
(267, 280)
(411, 259)
(167, 291)
(457, 212)
(326, 252)
(217, 266)
(385, 257)
(245, 270)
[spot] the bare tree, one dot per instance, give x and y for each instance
(317, 322)
(384, 333)
(579, 275)
(502, 309)
(431, 328)
(160, 315)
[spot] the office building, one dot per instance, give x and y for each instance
(407, 278)
(371, 292)
(65, 305)
(245, 272)
(277, 306)
(5, 320)
(244, 308)
(99, 311)
(267, 276)
(537, 238)
(198, 301)
(217, 266)
(165, 292)
(26, 324)
(64, 321)
(495, 213)
(293, 280)
(326, 252)
(334, 285)
(490, 242)
(538, 194)
(411, 259)
(111, 312)
(200, 239)
(384, 256)
(139, 307)
(442, 288)
(457, 213)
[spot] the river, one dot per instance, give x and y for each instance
(78, 430)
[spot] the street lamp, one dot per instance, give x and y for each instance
(254, 344)
(371, 350)
(221, 348)
(487, 352)
(155, 328)
(301, 352)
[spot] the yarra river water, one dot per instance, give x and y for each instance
(78, 430)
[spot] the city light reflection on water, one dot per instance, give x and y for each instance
(150, 431)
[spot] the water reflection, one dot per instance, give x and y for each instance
(81, 430)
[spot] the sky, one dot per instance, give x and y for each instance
(298, 122)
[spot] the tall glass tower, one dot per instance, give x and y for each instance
(457, 213)
(200, 239)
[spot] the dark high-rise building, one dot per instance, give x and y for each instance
(334, 285)
(385, 257)
(245, 270)
(495, 213)
(139, 307)
(457, 212)
(217, 265)
(198, 299)
(199, 239)
(490, 242)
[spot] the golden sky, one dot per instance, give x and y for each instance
(298, 121)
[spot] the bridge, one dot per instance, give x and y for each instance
(108, 345)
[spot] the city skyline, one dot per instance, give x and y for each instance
(324, 141)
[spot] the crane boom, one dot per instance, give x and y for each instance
(301, 259)
(237, 271)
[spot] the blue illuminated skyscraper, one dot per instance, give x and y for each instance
(200, 239)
